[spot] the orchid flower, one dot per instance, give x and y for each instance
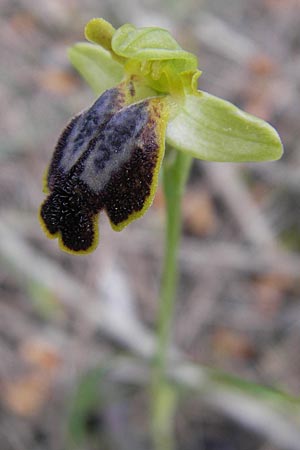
(109, 156)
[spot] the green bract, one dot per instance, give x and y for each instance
(201, 124)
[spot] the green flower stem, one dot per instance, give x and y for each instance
(175, 173)
(176, 170)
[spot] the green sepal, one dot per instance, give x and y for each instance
(213, 129)
(154, 56)
(96, 66)
(100, 32)
(150, 55)
(150, 43)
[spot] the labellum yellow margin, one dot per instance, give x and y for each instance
(108, 157)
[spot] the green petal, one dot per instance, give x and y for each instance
(100, 32)
(213, 129)
(150, 43)
(96, 66)
(69, 212)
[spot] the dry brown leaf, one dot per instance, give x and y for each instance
(26, 395)
(269, 293)
(198, 213)
(232, 344)
(259, 102)
(280, 5)
(23, 22)
(57, 81)
(159, 199)
(40, 354)
(262, 65)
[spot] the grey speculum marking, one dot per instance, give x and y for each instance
(114, 146)
(83, 129)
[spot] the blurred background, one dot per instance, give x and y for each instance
(64, 319)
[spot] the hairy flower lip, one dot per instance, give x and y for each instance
(107, 158)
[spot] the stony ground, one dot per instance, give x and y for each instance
(238, 309)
